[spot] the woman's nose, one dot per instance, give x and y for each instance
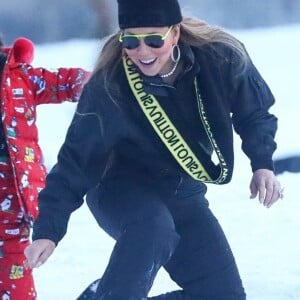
(143, 46)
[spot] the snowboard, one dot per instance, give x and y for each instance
(90, 292)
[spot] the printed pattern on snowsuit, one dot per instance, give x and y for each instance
(22, 169)
(15, 281)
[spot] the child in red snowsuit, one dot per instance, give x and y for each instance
(22, 172)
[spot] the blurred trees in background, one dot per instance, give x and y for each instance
(106, 16)
(245, 13)
(55, 20)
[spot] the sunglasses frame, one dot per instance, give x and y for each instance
(142, 36)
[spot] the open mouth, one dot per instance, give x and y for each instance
(148, 62)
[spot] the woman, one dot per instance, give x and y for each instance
(22, 171)
(161, 103)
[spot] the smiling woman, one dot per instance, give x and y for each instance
(159, 108)
(151, 49)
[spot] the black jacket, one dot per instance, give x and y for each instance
(110, 139)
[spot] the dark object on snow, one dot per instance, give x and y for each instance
(287, 164)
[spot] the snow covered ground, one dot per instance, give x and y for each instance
(265, 241)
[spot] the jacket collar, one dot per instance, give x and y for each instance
(155, 84)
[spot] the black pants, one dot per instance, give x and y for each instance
(168, 227)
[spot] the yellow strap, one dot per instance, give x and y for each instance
(222, 163)
(164, 127)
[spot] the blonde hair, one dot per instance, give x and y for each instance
(193, 32)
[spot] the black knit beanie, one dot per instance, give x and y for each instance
(148, 13)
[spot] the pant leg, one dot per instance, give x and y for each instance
(16, 283)
(145, 240)
(203, 264)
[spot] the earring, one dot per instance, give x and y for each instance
(175, 55)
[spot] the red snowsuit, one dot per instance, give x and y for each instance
(22, 172)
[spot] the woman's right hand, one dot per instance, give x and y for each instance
(38, 252)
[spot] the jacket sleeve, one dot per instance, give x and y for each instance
(64, 84)
(251, 100)
(80, 165)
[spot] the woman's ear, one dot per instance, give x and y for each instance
(176, 31)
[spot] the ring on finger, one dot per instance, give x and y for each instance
(281, 195)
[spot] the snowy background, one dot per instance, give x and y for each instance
(265, 241)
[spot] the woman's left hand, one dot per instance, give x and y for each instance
(265, 184)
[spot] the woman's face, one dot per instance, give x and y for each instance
(152, 61)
